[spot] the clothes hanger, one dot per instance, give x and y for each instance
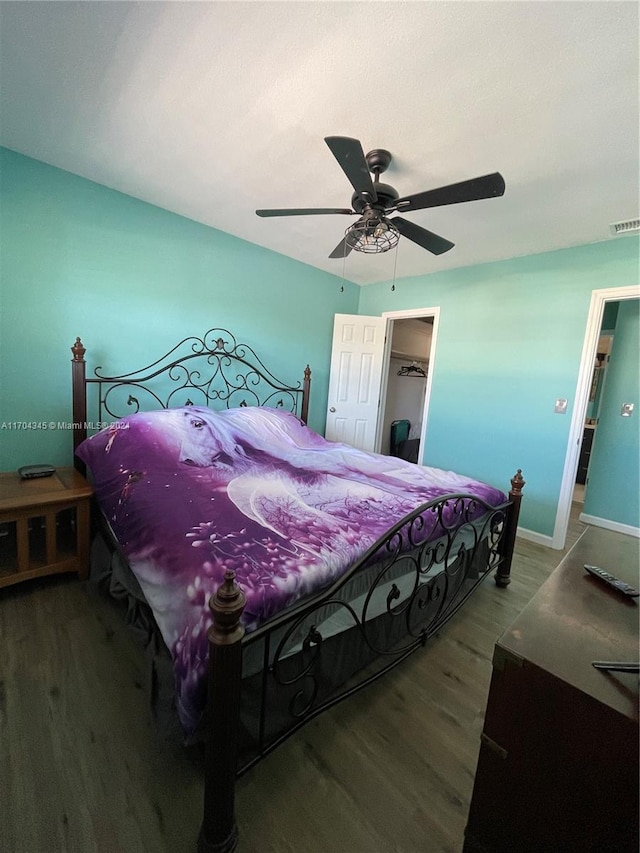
(412, 369)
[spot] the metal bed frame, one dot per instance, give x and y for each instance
(440, 551)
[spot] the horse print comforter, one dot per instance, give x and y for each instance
(190, 493)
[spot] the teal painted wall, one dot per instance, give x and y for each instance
(510, 343)
(79, 259)
(132, 280)
(615, 456)
(609, 316)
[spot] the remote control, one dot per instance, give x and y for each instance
(614, 583)
(31, 472)
(616, 666)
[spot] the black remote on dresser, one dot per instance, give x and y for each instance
(613, 582)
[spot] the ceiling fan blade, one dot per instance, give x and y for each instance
(487, 186)
(304, 211)
(341, 250)
(427, 239)
(350, 156)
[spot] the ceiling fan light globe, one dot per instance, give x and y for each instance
(372, 238)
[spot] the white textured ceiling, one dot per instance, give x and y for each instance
(214, 109)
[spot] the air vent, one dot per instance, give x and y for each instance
(630, 226)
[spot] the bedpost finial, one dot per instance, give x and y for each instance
(518, 482)
(227, 606)
(307, 372)
(78, 350)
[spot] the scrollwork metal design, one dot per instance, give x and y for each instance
(423, 570)
(299, 706)
(234, 376)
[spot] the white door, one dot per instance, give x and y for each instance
(357, 360)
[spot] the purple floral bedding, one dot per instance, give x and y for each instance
(190, 492)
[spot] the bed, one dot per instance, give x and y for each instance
(281, 572)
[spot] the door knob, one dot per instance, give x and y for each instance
(332, 409)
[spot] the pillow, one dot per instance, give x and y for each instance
(193, 435)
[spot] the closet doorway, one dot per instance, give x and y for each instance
(404, 399)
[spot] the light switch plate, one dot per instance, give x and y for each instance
(561, 406)
(626, 410)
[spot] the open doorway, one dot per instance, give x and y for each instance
(406, 383)
(599, 300)
(603, 354)
(408, 370)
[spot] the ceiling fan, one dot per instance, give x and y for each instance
(373, 201)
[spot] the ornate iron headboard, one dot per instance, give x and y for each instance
(199, 371)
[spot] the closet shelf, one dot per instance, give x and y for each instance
(408, 356)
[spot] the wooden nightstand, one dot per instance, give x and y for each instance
(44, 525)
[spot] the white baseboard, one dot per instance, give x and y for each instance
(610, 525)
(532, 536)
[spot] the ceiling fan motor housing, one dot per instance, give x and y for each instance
(387, 196)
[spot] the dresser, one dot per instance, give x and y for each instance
(558, 764)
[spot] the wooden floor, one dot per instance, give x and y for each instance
(389, 771)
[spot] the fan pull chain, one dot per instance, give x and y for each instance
(395, 267)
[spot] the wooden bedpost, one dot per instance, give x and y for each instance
(79, 400)
(503, 573)
(306, 388)
(219, 832)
